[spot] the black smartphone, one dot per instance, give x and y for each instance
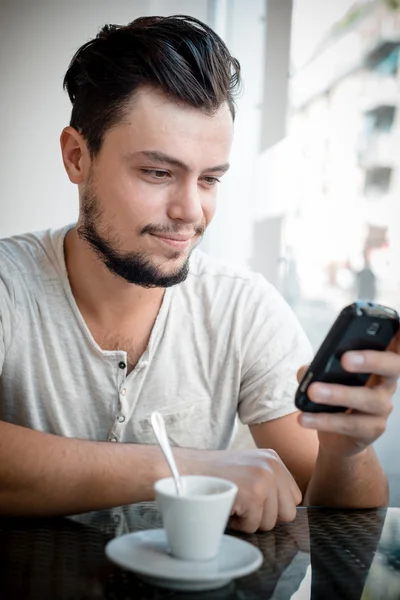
(360, 326)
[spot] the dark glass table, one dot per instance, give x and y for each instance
(323, 554)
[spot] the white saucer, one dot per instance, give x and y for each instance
(146, 554)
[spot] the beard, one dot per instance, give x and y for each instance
(134, 267)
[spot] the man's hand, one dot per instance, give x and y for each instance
(346, 434)
(267, 491)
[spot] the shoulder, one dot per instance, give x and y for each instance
(235, 298)
(29, 262)
(203, 265)
(225, 283)
(218, 276)
(31, 254)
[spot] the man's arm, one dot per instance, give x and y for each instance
(353, 482)
(297, 447)
(43, 474)
(334, 450)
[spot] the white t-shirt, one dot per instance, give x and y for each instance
(224, 343)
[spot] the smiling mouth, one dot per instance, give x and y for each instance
(175, 241)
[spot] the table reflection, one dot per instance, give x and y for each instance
(324, 553)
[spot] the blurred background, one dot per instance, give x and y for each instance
(312, 198)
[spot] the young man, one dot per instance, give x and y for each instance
(107, 320)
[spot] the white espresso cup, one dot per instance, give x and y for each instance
(195, 521)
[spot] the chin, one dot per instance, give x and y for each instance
(177, 259)
(171, 267)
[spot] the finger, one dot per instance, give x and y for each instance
(394, 345)
(289, 483)
(286, 505)
(386, 364)
(365, 428)
(270, 512)
(296, 494)
(286, 479)
(387, 383)
(301, 372)
(373, 401)
(247, 519)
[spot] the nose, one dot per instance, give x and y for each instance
(185, 204)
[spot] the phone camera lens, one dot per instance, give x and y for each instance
(373, 329)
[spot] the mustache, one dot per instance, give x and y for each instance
(171, 229)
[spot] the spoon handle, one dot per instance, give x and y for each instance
(157, 422)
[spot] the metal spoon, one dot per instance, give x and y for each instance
(157, 422)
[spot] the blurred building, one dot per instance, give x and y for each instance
(339, 168)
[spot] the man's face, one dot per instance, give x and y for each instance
(152, 188)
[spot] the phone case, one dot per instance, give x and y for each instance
(360, 326)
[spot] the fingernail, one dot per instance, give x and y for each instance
(356, 360)
(308, 420)
(321, 391)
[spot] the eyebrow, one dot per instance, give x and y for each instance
(161, 158)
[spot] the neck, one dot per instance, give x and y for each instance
(101, 295)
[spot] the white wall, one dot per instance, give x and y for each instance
(243, 27)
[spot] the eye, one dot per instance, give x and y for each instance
(211, 181)
(156, 174)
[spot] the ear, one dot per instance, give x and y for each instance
(75, 155)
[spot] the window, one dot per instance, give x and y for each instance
(377, 181)
(380, 119)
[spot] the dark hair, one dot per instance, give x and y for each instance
(178, 55)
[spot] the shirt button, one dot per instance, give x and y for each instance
(113, 438)
(123, 392)
(122, 365)
(144, 364)
(121, 419)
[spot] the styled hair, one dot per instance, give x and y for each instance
(177, 55)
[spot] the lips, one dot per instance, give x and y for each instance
(180, 242)
(174, 238)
